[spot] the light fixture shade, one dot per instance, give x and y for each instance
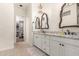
(40, 8)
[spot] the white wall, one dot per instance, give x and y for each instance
(6, 26)
(27, 13)
(20, 12)
(29, 24)
(53, 12)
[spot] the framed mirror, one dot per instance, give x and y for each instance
(69, 15)
(44, 21)
(37, 23)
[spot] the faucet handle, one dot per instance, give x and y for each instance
(68, 32)
(73, 33)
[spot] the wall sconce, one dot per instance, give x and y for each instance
(40, 7)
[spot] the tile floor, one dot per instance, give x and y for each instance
(22, 49)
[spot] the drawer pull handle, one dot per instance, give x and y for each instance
(60, 44)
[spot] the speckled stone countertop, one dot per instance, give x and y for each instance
(75, 37)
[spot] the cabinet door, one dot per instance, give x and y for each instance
(39, 41)
(54, 48)
(45, 43)
(35, 39)
(71, 50)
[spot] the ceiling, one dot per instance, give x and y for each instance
(24, 5)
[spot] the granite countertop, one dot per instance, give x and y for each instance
(59, 35)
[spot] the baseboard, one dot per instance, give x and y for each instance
(6, 48)
(41, 50)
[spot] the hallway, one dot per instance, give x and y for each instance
(22, 49)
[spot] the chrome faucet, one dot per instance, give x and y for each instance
(69, 33)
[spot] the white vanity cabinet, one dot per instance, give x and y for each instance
(64, 47)
(45, 44)
(37, 40)
(34, 40)
(42, 42)
(56, 48)
(71, 47)
(70, 50)
(56, 45)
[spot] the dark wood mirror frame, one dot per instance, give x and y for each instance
(37, 20)
(62, 20)
(44, 14)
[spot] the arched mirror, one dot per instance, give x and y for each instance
(37, 23)
(69, 15)
(44, 21)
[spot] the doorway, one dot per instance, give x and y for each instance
(19, 28)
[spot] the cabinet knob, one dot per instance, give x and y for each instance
(62, 44)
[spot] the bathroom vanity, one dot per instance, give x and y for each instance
(57, 45)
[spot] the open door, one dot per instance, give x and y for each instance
(20, 28)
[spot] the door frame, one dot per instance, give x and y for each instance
(23, 28)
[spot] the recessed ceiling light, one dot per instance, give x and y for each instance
(20, 5)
